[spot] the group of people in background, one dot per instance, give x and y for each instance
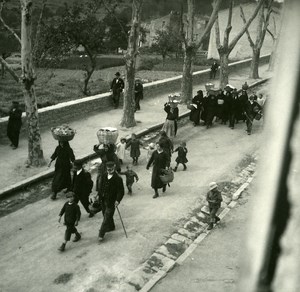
(227, 106)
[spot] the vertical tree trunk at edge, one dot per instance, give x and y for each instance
(128, 119)
(224, 69)
(255, 64)
(187, 78)
(35, 152)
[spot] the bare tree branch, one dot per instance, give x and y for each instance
(11, 71)
(213, 18)
(271, 34)
(2, 3)
(247, 31)
(229, 26)
(243, 30)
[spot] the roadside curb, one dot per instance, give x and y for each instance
(164, 259)
(49, 173)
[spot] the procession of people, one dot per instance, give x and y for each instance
(226, 106)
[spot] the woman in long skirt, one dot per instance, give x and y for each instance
(170, 125)
(160, 161)
(64, 156)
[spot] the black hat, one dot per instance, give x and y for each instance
(118, 74)
(110, 164)
(78, 163)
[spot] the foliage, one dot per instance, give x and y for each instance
(148, 63)
(165, 42)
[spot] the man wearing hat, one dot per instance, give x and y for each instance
(14, 124)
(116, 88)
(138, 94)
(82, 185)
(214, 199)
(111, 192)
(196, 107)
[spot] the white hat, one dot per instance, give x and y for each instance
(212, 185)
(151, 145)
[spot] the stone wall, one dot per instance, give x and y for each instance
(73, 110)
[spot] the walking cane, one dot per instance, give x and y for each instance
(122, 222)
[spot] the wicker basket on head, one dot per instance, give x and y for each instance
(107, 135)
(209, 86)
(63, 133)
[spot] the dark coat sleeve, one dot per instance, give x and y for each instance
(120, 189)
(62, 211)
(151, 159)
(78, 213)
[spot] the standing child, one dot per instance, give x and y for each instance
(214, 199)
(135, 152)
(181, 158)
(130, 175)
(151, 149)
(121, 150)
(72, 216)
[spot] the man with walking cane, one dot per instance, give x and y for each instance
(111, 192)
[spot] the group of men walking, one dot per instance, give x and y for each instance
(228, 106)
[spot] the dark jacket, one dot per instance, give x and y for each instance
(130, 175)
(111, 190)
(251, 109)
(160, 161)
(14, 120)
(82, 184)
(138, 90)
(214, 198)
(117, 85)
(72, 213)
(171, 114)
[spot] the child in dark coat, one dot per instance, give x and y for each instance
(181, 158)
(214, 199)
(130, 175)
(134, 145)
(72, 216)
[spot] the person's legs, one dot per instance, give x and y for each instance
(212, 212)
(129, 187)
(107, 223)
(155, 193)
(175, 168)
(184, 166)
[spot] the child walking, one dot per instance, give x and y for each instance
(181, 158)
(214, 199)
(72, 216)
(130, 175)
(134, 145)
(121, 150)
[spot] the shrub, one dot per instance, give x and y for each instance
(148, 64)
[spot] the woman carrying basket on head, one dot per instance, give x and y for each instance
(160, 161)
(170, 125)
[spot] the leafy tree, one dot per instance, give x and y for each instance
(165, 43)
(80, 25)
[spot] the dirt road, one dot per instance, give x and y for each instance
(29, 237)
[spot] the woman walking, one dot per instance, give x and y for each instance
(160, 161)
(64, 156)
(170, 125)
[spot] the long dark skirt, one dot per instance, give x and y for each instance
(195, 116)
(156, 182)
(61, 180)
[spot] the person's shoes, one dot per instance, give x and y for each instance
(164, 188)
(155, 196)
(249, 133)
(100, 239)
(184, 168)
(53, 197)
(210, 226)
(62, 247)
(77, 237)
(217, 219)
(14, 147)
(91, 215)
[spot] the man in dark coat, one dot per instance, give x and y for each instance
(196, 108)
(160, 161)
(82, 186)
(234, 108)
(243, 99)
(211, 106)
(110, 195)
(251, 108)
(117, 87)
(138, 94)
(213, 70)
(214, 199)
(14, 124)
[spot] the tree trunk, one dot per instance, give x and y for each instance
(189, 52)
(130, 64)
(255, 63)
(88, 75)
(224, 69)
(187, 78)
(35, 152)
